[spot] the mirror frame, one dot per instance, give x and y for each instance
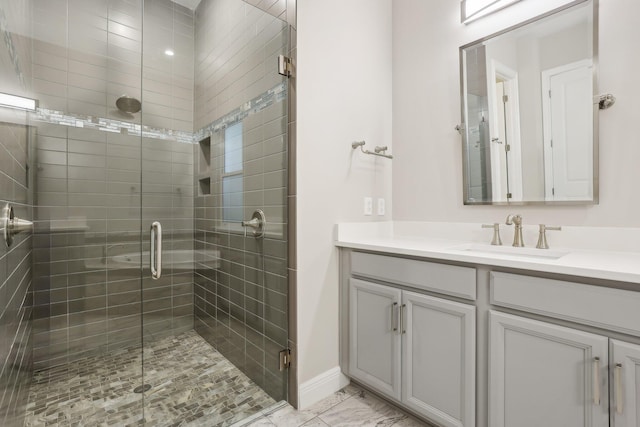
(595, 103)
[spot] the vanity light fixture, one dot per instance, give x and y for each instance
(18, 102)
(470, 10)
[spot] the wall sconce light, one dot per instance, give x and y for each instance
(470, 10)
(18, 102)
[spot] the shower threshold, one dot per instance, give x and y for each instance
(192, 384)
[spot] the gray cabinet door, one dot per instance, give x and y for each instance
(542, 374)
(374, 351)
(625, 380)
(439, 359)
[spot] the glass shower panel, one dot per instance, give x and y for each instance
(214, 322)
(148, 112)
(78, 61)
(241, 304)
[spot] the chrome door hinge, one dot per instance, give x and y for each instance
(285, 359)
(505, 98)
(285, 66)
(509, 195)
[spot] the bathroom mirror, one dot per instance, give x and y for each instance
(529, 113)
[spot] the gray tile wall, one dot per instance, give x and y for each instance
(88, 53)
(87, 297)
(277, 8)
(231, 56)
(89, 193)
(167, 196)
(241, 306)
(168, 81)
(15, 279)
(16, 187)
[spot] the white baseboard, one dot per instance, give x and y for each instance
(322, 386)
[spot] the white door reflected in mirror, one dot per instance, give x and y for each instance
(567, 119)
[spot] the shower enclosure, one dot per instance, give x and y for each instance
(143, 292)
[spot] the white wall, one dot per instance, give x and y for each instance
(344, 95)
(426, 107)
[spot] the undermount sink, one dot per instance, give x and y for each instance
(476, 248)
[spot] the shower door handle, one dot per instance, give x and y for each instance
(156, 250)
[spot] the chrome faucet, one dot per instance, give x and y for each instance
(516, 220)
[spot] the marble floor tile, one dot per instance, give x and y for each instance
(409, 422)
(316, 422)
(290, 417)
(363, 409)
(351, 406)
(333, 400)
(261, 422)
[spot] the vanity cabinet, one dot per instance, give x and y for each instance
(438, 347)
(375, 338)
(470, 345)
(541, 374)
(544, 374)
(403, 342)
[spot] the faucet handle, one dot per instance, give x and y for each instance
(542, 236)
(496, 233)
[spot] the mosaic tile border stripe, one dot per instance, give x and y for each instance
(276, 94)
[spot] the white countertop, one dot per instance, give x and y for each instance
(597, 252)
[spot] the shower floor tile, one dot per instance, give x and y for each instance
(191, 383)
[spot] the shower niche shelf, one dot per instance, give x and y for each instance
(204, 166)
(204, 155)
(204, 186)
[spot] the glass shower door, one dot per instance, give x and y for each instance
(213, 152)
(82, 62)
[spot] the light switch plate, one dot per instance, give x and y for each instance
(381, 207)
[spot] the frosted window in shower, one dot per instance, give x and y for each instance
(232, 179)
(233, 148)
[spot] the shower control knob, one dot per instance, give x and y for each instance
(13, 225)
(258, 222)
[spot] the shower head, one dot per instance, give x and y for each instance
(127, 104)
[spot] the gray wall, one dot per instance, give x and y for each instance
(16, 187)
(240, 309)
